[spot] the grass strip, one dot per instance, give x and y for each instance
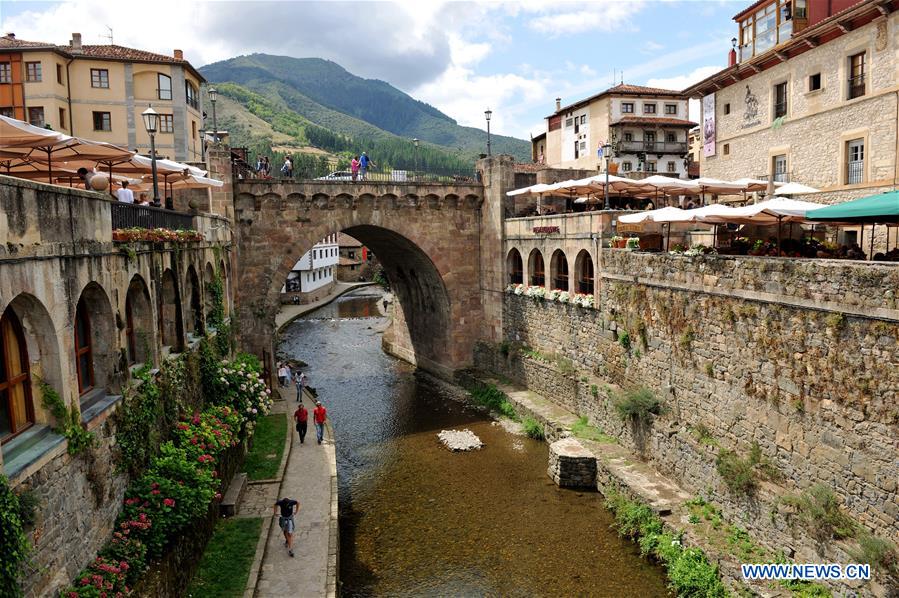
(264, 458)
(226, 562)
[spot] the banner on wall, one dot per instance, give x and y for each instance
(708, 125)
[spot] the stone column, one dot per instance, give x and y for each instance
(498, 175)
(221, 199)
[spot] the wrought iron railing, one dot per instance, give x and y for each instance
(654, 147)
(855, 173)
(381, 175)
(127, 215)
(856, 86)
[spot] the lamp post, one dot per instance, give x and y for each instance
(213, 96)
(203, 145)
(415, 157)
(151, 123)
(607, 154)
(487, 114)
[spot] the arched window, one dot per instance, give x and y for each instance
(515, 267)
(559, 264)
(16, 409)
(84, 359)
(584, 267)
(138, 322)
(171, 325)
(164, 91)
(536, 269)
(193, 306)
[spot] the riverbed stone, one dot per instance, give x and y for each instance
(571, 465)
(460, 440)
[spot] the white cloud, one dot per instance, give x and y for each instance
(684, 81)
(572, 18)
(651, 47)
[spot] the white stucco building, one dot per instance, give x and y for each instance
(312, 277)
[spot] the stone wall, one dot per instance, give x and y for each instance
(793, 355)
(56, 248)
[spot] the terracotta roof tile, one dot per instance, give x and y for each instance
(121, 53)
(623, 89)
(344, 240)
(7, 42)
(646, 120)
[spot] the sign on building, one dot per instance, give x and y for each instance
(708, 125)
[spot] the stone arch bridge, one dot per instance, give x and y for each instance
(427, 237)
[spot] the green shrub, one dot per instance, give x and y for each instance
(533, 428)
(742, 475)
(68, 420)
(28, 504)
(637, 405)
(215, 290)
(624, 339)
(494, 399)
(594, 390)
(689, 571)
(879, 553)
(737, 473)
(13, 542)
(818, 510)
(505, 348)
(704, 435)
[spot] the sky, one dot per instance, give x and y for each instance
(514, 57)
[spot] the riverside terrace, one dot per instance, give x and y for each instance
(78, 312)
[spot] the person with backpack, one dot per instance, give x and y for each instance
(364, 164)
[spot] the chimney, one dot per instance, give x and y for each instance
(179, 55)
(558, 104)
(76, 43)
(731, 58)
(11, 35)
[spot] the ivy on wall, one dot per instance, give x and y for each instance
(14, 546)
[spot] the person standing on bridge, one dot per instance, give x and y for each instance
(354, 167)
(319, 415)
(288, 508)
(364, 164)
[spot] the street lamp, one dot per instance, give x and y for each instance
(487, 114)
(415, 156)
(151, 123)
(213, 95)
(203, 145)
(607, 154)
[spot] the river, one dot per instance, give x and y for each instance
(417, 520)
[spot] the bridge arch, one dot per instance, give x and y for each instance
(425, 238)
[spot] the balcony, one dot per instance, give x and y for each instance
(126, 215)
(652, 147)
(856, 87)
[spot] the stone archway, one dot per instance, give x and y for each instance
(427, 246)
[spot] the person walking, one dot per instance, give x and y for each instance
(319, 415)
(299, 378)
(301, 417)
(282, 375)
(354, 167)
(364, 164)
(285, 509)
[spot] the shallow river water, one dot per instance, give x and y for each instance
(417, 520)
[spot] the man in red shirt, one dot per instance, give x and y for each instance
(319, 415)
(301, 416)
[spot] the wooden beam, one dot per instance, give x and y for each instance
(811, 42)
(755, 68)
(781, 56)
(845, 27)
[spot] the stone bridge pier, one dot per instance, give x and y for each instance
(427, 236)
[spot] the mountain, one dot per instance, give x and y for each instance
(322, 93)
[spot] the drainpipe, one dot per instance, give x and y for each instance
(69, 98)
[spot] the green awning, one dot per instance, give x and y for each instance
(883, 207)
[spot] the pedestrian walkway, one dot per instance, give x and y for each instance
(289, 313)
(311, 478)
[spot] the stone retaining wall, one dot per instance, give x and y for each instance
(812, 386)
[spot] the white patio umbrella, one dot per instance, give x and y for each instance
(661, 215)
(772, 211)
(16, 133)
(755, 185)
(62, 149)
(795, 189)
